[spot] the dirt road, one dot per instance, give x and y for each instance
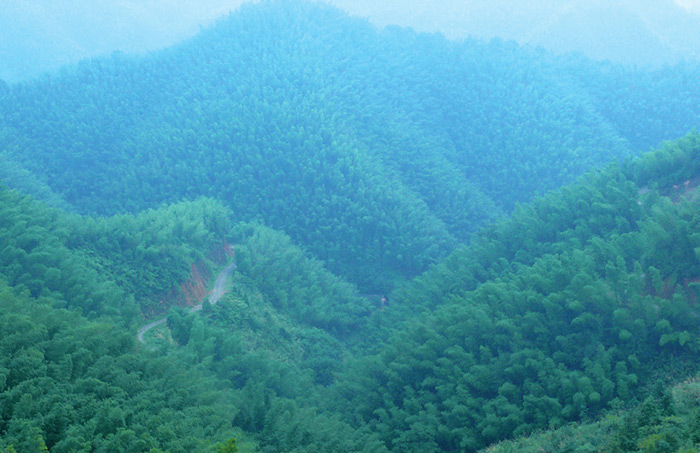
(214, 296)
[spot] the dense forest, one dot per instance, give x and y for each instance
(378, 151)
(438, 246)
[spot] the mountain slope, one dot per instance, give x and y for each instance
(379, 151)
(43, 36)
(576, 304)
(641, 32)
(72, 383)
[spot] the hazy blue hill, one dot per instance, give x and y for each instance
(644, 33)
(640, 32)
(378, 151)
(588, 25)
(43, 36)
(247, 87)
(644, 106)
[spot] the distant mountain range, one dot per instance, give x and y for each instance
(623, 31)
(40, 36)
(378, 150)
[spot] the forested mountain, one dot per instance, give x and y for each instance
(632, 32)
(73, 377)
(378, 151)
(580, 303)
(70, 384)
(576, 304)
(438, 246)
(569, 307)
(43, 36)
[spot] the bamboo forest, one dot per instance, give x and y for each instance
(299, 232)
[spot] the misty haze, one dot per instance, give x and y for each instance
(42, 36)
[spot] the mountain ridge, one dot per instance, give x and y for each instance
(388, 121)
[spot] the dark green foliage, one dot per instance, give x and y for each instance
(34, 255)
(553, 334)
(80, 386)
(666, 421)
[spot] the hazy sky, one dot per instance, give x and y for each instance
(690, 5)
(39, 35)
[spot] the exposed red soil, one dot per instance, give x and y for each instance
(684, 190)
(193, 290)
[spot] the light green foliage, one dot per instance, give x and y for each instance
(105, 266)
(151, 253)
(295, 284)
(34, 255)
(228, 446)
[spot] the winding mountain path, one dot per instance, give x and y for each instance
(214, 296)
